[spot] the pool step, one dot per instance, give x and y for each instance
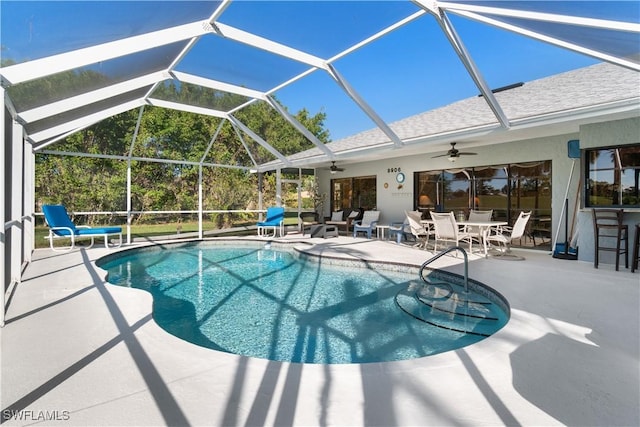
(445, 308)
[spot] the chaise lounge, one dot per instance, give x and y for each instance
(61, 227)
(274, 221)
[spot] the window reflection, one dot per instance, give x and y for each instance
(353, 193)
(612, 176)
(505, 189)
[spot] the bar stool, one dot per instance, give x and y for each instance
(607, 224)
(636, 249)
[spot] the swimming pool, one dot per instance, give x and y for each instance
(275, 303)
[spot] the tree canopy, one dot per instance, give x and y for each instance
(99, 184)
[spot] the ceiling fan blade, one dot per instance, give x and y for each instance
(440, 155)
(467, 154)
(334, 168)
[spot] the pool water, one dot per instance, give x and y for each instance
(276, 305)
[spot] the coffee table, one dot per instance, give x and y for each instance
(382, 231)
(323, 230)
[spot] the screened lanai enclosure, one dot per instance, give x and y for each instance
(219, 98)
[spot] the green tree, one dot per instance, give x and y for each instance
(93, 184)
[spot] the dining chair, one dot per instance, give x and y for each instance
(447, 230)
(418, 229)
(504, 236)
(478, 216)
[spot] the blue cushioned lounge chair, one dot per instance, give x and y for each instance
(274, 221)
(61, 227)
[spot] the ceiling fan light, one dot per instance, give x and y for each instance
(452, 158)
(333, 171)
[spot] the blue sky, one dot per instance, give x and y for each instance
(409, 71)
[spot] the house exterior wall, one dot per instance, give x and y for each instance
(393, 199)
(618, 132)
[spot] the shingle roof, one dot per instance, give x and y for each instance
(596, 85)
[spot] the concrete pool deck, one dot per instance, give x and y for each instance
(78, 351)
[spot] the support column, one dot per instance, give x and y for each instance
(29, 203)
(3, 194)
(17, 177)
(260, 190)
(129, 202)
(278, 187)
(133, 141)
(200, 231)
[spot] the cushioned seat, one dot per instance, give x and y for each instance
(306, 220)
(343, 218)
(274, 221)
(61, 227)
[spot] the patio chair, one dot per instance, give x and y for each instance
(61, 227)
(342, 218)
(418, 229)
(608, 227)
(447, 230)
(504, 236)
(366, 224)
(307, 219)
(274, 221)
(400, 229)
(478, 216)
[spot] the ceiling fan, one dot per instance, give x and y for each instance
(454, 153)
(334, 168)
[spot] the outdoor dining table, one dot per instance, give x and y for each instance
(483, 226)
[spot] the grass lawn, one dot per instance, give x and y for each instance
(149, 230)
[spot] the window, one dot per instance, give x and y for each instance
(492, 190)
(612, 176)
(456, 190)
(530, 190)
(353, 193)
(506, 189)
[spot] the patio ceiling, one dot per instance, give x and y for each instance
(115, 59)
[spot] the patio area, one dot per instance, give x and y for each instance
(78, 351)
